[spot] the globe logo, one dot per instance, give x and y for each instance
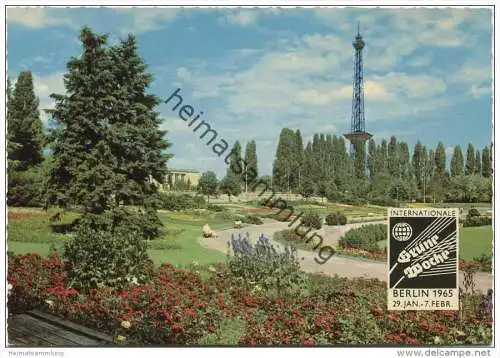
(402, 231)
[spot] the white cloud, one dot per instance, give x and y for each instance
(44, 86)
(477, 92)
(241, 17)
(174, 125)
(147, 19)
(35, 17)
(419, 61)
(476, 78)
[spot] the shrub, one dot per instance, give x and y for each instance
(337, 218)
(289, 236)
(144, 222)
(26, 188)
(473, 212)
(262, 265)
(477, 221)
(365, 237)
(106, 253)
(216, 208)
(252, 219)
(311, 220)
(174, 202)
(277, 217)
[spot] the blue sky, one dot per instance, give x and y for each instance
(253, 71)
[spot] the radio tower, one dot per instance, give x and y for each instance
(358, 135)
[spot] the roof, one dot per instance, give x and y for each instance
(182, 170)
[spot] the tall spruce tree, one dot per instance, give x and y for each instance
(457, 162)
(486, 167)
(25, 137)
(251, 170)
(108, 145)
(470, 164)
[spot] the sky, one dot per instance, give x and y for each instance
(254, 71)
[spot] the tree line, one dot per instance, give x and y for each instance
(325, 168)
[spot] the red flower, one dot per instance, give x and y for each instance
(177, 328)
(424, 325)
(308, 342)
(192, 313)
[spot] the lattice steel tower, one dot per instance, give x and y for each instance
(358, 135)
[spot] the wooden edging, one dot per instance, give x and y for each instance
(72, 326)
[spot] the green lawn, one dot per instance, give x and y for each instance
(29, 231)
(475, 241)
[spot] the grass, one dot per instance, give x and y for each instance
(475, 241)
(29, 230)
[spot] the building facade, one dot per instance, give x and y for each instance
(183, 179)
(179, 179)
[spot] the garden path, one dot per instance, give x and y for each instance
(336, 265)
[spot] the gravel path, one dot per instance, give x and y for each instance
(310, 260)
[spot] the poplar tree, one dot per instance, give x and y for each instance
(372, 158)
(440, 159)
(392, 156)
(477, 163)
(470, 164)
(457, 162)
(235, 171)
(486, 163)
(283, 163)
(250, 163)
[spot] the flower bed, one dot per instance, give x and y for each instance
(355, 252)
(178, 307)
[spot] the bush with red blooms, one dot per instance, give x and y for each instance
(179, 307)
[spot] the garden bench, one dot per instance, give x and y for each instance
(38, 329)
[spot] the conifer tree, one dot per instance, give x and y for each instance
(108, 145)
(25, 138)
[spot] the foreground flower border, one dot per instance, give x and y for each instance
(178, 307)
